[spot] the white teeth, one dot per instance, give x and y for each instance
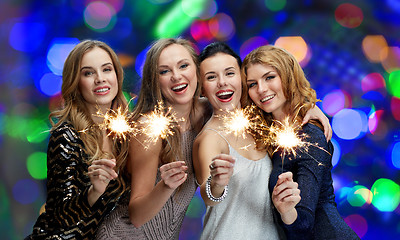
(102, 90)
(179, 87)
(224, 93)
(267, 98)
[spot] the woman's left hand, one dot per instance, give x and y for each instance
(316, 114)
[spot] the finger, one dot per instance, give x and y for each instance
(103, 171)
(107, 162)
(305, 119)
(225, 157)
(218, 163)
(286, 176)
(172, 165)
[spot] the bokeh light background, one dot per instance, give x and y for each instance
(348, 49)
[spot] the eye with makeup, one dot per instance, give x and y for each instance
(163, 71)
(87, 73)
(211, 77)
(183, 66)
(251, 84)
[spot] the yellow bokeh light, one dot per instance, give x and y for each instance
(372, 46)
(296, 46)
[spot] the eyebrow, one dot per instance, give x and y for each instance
(263, 76)
(179, 62)
(226, 69)
(88, 67)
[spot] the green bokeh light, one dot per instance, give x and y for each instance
(394, 83)
(193, 8)
(358, 196)
(37, 131)
(275, 5)
(37, 165)
(173, 22)
(386, 195)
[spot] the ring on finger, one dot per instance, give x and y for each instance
(211, 166)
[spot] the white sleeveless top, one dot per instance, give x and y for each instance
(246, 212)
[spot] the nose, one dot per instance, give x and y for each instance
(176, 76)
(261, 87)
(222, 82)
(100, 78)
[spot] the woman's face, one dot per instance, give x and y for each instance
(265, 89)
(220, 76)
(177, 75)
(98, 80)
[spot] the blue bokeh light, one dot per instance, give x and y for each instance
(58, 52)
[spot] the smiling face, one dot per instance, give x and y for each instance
(98, 83)
(177, 75)
(265, 89)
(221, 80)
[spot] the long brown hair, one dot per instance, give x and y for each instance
(150, 93)
(300, 97)
(75, 111)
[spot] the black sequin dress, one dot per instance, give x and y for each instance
(68, 214)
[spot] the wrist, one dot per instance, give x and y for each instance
(209, 192)
(289, 217)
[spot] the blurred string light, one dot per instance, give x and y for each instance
(395, 155)
(25, 191)
(196, 207)
(372, 81)
(275, 5)
(395, 107)
(335, 101)
(386, 195)
(100, 16)
(50, 84)
(58, 52)
(37, 165)
(394, 83)
(117, 5)
(178, 18)
(350, 124)
(358, 223)
(222, 27)
(27, 36)
(251, 44)
(359, 195)
(297, 47)
(390, 58)
(372, 46)
(336, 153)
(349, 15)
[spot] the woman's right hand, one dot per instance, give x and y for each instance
(101, 171)
(173, 174)
(221, 169)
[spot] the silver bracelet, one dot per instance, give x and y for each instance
(209, 194)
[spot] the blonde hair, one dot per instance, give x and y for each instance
(74, 110)
(300, 97)
(150, 93)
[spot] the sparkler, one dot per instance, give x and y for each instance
(287, 137)
(117, 123)
(239, 121)
(158, 123)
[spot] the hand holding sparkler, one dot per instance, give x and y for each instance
(101, 171)
(221, 170)
(174, 174)
(286, 196)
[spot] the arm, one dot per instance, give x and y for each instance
(209, 159)
(148, 198)
(310, 168)
(316, 114)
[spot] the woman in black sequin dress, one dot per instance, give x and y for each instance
(85, 176)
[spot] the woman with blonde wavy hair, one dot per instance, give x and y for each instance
(85, 175)
(277, 86)
(162, 176)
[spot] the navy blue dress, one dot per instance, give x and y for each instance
(318, 217)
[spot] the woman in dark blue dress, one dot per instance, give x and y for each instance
(277, 85)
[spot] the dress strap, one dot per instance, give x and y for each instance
(212, 129)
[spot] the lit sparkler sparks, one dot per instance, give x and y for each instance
(239, 121)
(158, 123)
(117, 123)
(287, 137)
